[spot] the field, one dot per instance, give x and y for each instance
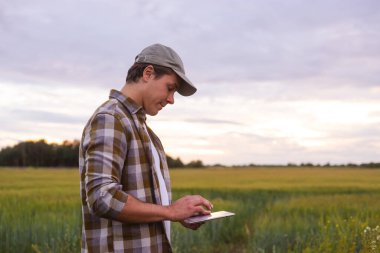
(277, 210)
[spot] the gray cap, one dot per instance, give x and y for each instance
(165, 56)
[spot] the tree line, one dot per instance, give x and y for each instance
(41, 154)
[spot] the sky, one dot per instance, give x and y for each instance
(278, 81)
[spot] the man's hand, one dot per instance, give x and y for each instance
(135, 211)
(188, 206)
(193, 226)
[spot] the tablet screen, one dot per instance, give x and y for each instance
(211, 216)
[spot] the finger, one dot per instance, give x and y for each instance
(194, 226)
(201, 211)
(187, 225)
(198, 225)
(204, 202)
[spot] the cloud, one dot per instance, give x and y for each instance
(212, 121)
(45, 116)
(271, 40)
(276, 80)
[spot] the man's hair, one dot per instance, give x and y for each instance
(136, 71)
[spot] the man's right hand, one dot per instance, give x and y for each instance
(188, 206)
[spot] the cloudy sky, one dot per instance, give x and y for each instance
(278, 81)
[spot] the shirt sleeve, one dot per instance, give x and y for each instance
(105, 153)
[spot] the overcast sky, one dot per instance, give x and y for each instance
(278, 81)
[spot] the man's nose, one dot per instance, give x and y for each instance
(170, 98)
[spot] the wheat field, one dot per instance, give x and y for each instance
(277, 210)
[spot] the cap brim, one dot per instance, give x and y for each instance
(186, 88)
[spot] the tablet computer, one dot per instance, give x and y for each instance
(211, 216)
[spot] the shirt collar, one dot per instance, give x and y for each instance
(128, 103)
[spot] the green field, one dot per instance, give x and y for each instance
(277, 210)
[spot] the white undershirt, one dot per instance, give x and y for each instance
(162, 185)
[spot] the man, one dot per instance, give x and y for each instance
(125, 184)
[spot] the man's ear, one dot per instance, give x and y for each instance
(148, 73)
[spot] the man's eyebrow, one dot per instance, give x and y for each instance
(175, 84)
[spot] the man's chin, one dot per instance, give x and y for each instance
(152, 113)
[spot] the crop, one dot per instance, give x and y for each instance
(277, 210)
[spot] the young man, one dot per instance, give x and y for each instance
(125, 184)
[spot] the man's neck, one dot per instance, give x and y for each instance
(133, 91)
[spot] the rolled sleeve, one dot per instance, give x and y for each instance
(105, 152)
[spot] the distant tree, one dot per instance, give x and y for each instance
(195, 164)
(40, 154)
(370, 165)
(26, 153)
(67, 153)
(218, 165)
(9, 157)
(174, 163)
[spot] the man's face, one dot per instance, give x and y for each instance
(159, 92)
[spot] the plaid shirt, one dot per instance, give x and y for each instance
(115, 161)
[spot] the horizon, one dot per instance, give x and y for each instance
(372, 164)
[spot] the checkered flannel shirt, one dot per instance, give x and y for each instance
(115, 161)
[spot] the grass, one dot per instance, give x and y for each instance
(277, 210)
(40, 210)
(277, 178)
